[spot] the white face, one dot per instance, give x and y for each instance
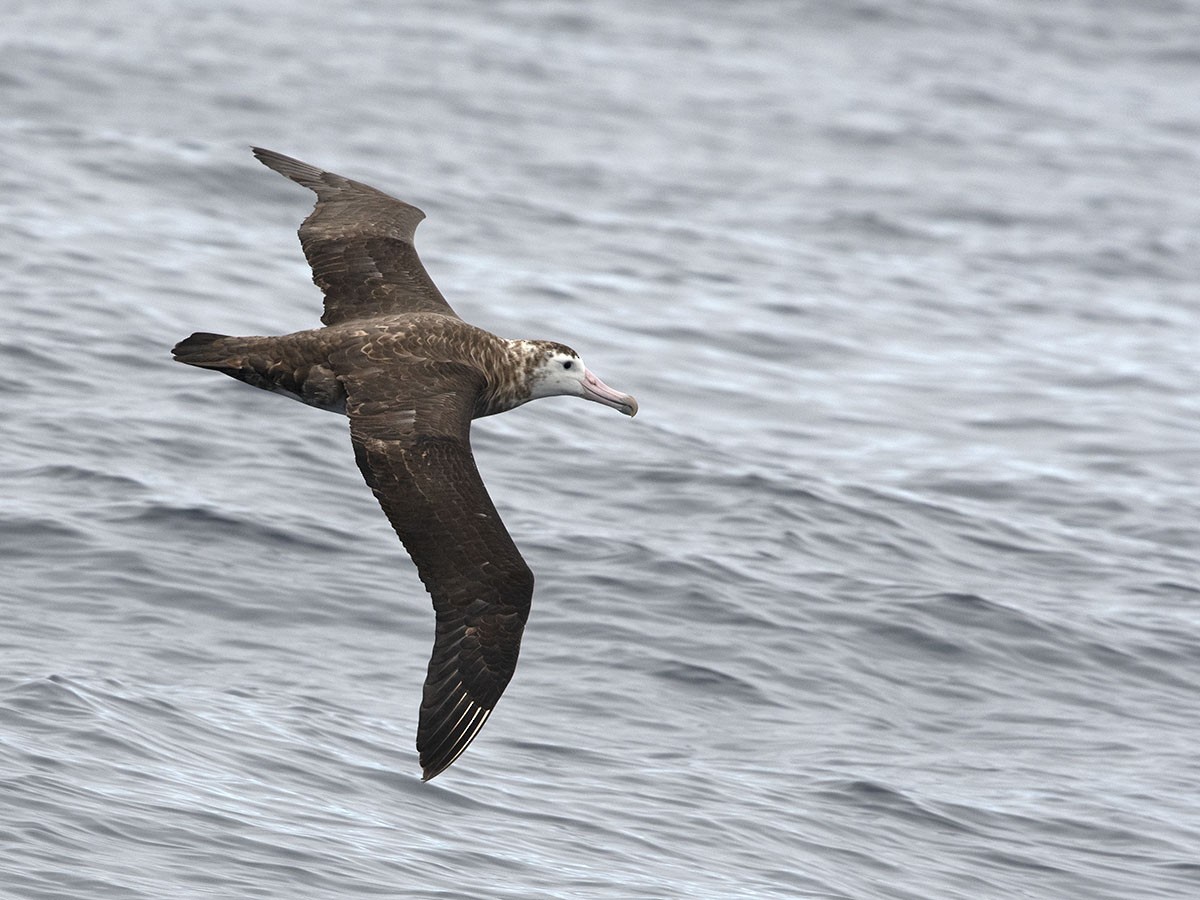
(560, 373)
(563, 372)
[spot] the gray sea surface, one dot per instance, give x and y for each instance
(890, 591)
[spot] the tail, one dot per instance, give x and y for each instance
(208, 351)
(282, 365)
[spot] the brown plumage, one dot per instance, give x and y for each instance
(411, 375)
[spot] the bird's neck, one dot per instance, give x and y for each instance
(509, 367)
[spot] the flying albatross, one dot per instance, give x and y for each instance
(411, 375)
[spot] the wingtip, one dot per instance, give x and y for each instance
(433, 770)
(430, 772)
(452, 744)
(289, 167)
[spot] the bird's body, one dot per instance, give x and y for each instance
(411, 375)
(310, 366)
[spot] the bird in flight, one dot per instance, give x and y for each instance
(397, 360)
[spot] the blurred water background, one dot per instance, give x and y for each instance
(890, 591)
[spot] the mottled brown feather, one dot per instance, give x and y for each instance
(412, 443)
(359, 243)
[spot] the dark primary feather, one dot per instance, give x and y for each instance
(359, 243)
(414, 451)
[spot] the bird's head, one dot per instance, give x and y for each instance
(557, 370)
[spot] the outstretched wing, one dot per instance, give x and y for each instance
(415, 454)
(359, 243)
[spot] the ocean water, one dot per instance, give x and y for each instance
(891, 590)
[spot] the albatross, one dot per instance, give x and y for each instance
(410, 375)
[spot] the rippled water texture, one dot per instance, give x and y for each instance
(891, 589)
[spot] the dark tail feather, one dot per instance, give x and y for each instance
(254, 360)
(205, 350)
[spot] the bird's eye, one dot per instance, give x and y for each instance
(568, 364)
